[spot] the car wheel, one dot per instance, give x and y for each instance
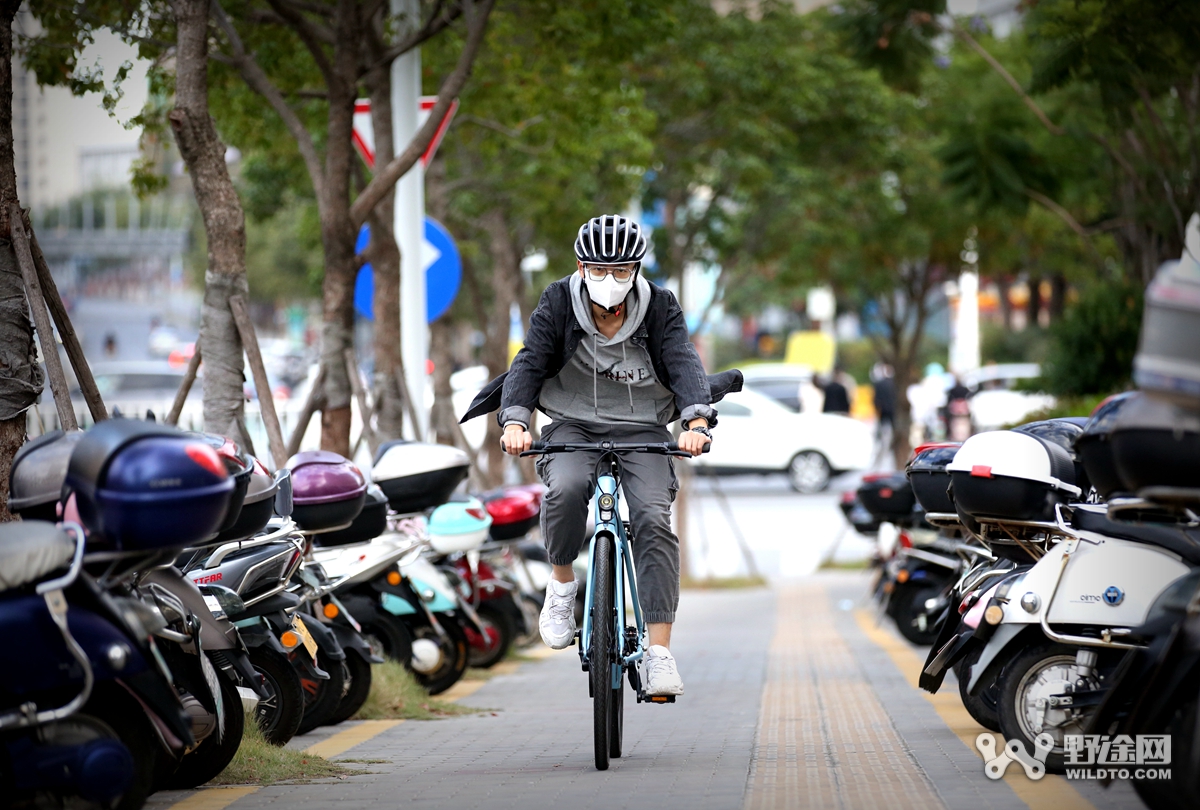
(809, 472)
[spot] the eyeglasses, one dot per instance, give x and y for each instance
(621, 272)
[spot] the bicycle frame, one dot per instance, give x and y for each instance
(624, 574)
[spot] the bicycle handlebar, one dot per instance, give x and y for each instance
(658, 448)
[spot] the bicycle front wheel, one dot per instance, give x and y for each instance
(600, 651)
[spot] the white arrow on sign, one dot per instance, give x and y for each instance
(363, 136)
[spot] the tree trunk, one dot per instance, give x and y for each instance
(441, 333)
(1003, 288)
(385, 264)
(1058, 296)
(903, 369)
(506, 286)
(338, 234)
(224, 224)
(1033, 307)
(20, 376)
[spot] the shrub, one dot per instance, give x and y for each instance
(1092, 346)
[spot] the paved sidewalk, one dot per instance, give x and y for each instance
(796, 698)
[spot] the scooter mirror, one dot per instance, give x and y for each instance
(283, 497)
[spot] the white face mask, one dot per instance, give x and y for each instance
(609, 292)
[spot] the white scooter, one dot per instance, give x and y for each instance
(1057, 629)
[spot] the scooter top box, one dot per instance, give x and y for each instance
(1063, 431)
(35, 484)
(239, 465)
(887, 496)
(927, 474)
(514, 510)
(140, 486)
(1168, 356)
(1156, 443)
(328, 491)
(416, 476)
(1094, 446)
(459, 526)
(258, 505)
(1010, 475)
(370, 523)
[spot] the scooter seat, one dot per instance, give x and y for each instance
(31, 549)
(1181, 540)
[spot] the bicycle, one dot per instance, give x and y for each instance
(608, 647)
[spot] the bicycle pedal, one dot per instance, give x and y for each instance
(661, 699)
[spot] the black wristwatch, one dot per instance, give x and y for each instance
(703, 430)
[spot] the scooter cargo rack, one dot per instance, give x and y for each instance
(944, 520)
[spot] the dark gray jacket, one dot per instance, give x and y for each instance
(554, 335)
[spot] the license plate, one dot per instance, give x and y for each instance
(305, 636)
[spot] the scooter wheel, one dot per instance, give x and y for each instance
(455, 654)
(279, 715)
(493, 615)
(358, 690)
(983, 706)
(213, 755)
(389, 637)
(321, 698)
(909, 610)
(1031, 676)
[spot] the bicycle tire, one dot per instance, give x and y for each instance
(600, 649)
(616, 721)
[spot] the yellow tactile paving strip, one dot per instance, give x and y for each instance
(824, 740)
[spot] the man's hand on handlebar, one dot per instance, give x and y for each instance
(516, 440)
(693, 442)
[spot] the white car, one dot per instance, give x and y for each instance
(996, 398)
(756, 434)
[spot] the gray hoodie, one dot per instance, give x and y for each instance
(609, 381)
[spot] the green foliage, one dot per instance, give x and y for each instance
(1092, 346)
(283, 253)
(999, 344)
(548, 134)
(894, 37)
(1067, 406)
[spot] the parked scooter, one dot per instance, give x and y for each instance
(91, 710)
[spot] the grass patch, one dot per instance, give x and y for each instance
(396, 695)
(723, 584)
(845, 565)
(257, 762)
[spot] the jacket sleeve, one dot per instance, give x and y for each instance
(687, 380)
(529, 368)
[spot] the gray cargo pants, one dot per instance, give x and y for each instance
(648, 486)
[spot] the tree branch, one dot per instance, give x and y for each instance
(439, 19)
(1008, 77)
(313, 36)
(257, 80)
(386, 177)
(1066, 217)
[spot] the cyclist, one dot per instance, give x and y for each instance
(607, 357)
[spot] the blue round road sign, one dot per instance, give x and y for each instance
(443, 277)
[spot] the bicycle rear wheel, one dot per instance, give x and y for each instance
(601, 648)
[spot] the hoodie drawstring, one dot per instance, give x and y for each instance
(595, 364)
(628, 377)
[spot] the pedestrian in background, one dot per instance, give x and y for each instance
(885, 406)
(836, 398)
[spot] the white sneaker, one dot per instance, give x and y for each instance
(557, 621)
(659, 673)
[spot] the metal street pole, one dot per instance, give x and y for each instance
(410, 220)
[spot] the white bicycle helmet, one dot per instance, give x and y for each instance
(610, 239)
